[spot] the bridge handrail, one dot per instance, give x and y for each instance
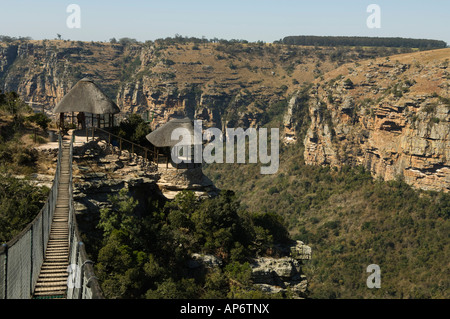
(21, 258)
(87, 285)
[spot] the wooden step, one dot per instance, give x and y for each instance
(57, 260)
(56, 289)
(54, 275)
(50, 294)
(58, 237)
(51, 257)
(53, 271)
(64, 244)
(59, 252)
(55, 242)
(60, 248)
(52, 281)
(57, 255)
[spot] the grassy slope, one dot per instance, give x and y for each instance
(20, 201)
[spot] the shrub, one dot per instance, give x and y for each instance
(40, 119)
(20, 202)
(134, 128)
(349, 84)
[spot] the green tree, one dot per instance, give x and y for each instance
(40, 119)
(218, 224)
(20, 202)
(134, 128)
(120, 216)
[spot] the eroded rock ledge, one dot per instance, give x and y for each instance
(272, 275)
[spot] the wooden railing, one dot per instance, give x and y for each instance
(153, 155)
(148, 154)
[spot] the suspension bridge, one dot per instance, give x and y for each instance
(48, 259)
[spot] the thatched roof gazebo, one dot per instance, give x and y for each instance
(162, 141)
(161, 137)
(87, 97)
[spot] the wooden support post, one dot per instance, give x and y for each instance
(61, 123)
(130, 155)
(87, 134)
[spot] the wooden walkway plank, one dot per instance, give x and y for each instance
(52, 280)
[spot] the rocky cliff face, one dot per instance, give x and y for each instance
(223, 84)
(390, 115)
(42, 72)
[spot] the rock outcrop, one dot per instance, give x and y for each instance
(274, 275)
(173, 180)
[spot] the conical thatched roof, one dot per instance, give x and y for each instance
(86, 96)
(161, 137)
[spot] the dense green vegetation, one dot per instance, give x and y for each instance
(351, 221)
(134, 129)
(20, 202)
(145, 252)
(309, 40)
(364, 41)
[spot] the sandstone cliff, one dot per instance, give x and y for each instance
(390, 115)
(223, 84)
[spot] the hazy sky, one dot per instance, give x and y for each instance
(265, 20)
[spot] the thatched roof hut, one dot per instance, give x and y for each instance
(161, 137)
(86, 96)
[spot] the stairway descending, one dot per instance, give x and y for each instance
(52, 280)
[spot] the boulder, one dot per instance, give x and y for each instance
(201, 260)
(274, 275)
